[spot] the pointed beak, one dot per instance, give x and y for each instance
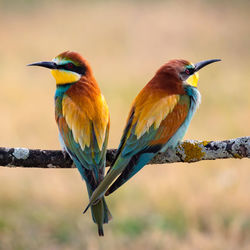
(202, 64)
(49, 65)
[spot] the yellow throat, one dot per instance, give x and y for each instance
(64, 76)
(193, 79)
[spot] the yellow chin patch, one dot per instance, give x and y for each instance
(65, 77)
(193, 79)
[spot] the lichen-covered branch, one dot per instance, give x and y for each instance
(187, 151)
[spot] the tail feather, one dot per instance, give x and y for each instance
(100, 231)
(107, 214)
(100, 213)
(136, 163)
(103, 186)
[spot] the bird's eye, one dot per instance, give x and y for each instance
(69, 65)
(187, 71)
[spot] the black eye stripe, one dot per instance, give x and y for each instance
(189, 71)
(72, 67)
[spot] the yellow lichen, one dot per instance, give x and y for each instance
(204, 143)
(192, 151)
(237, 156)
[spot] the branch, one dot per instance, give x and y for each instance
(187, 151)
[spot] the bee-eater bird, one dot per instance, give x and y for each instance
(158, 120)
(82, 117)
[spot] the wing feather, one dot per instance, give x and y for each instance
(80, 115)
(153, 112)
(84, 127)
(145, 117)
(139, 152)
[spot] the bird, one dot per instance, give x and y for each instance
(157, 121)
(83, 119)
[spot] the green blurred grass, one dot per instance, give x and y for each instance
(199, 206)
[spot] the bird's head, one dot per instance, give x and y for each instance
(185, 71)
(180, 72)
(68, 67)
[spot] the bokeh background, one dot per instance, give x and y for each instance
(203, 205)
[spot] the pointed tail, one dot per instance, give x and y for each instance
(117, 169)
(100, 213)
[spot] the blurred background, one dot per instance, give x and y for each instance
(203, 205)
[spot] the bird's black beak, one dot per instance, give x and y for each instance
(202, 64)
(49, 65)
